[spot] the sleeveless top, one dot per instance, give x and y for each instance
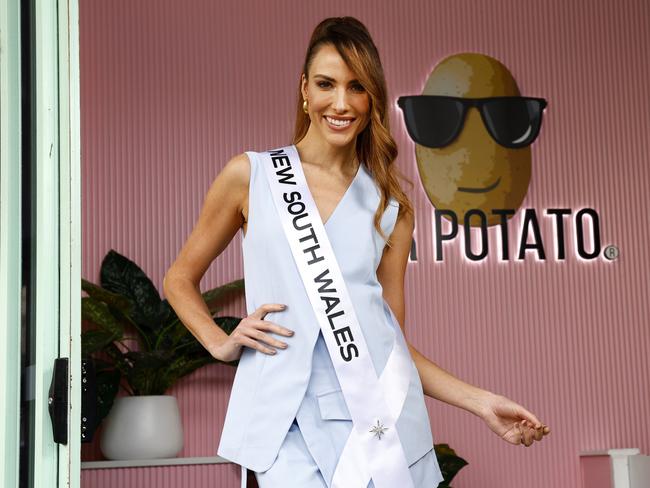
(299, 382)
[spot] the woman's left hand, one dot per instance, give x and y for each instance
(511, 421)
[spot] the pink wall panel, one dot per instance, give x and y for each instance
(194, 476)
(596, 471)
(171, 90)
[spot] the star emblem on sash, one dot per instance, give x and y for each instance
(378, 429)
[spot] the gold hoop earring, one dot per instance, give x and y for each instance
(304, 106)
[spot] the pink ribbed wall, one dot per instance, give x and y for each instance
(171, 90)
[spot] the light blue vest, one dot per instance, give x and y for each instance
(300, 382)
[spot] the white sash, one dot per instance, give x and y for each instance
(373, 449)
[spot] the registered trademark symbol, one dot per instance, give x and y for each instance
(611, 252)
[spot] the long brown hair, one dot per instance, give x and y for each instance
(375, 146)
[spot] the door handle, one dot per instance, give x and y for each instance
(59, 406)
(57, 402)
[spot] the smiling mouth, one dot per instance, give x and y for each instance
(338, 123)
(480, 190)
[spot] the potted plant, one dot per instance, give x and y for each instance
(127, 306)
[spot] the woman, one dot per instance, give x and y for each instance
(287, 418)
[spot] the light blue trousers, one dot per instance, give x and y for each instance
(296, 468)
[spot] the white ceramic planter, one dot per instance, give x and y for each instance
(142, 427)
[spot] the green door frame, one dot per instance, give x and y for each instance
(57, 239)
(10, 241)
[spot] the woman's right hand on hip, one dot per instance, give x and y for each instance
(249, 333)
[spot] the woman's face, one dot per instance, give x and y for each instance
(338, 104)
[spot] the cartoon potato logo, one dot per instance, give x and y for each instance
(473, 131)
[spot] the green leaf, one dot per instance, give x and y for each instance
(122, 276)
(183, 366)
(146, 337)
(107, 383)
(212, 297)
(449, 462)
(120, 360)
(227, 324)
(95, 340)
(148, 368)
(172, 335)
(115, 300)
(149, 359)
(98, 313)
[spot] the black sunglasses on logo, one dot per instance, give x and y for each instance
(436, 120)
